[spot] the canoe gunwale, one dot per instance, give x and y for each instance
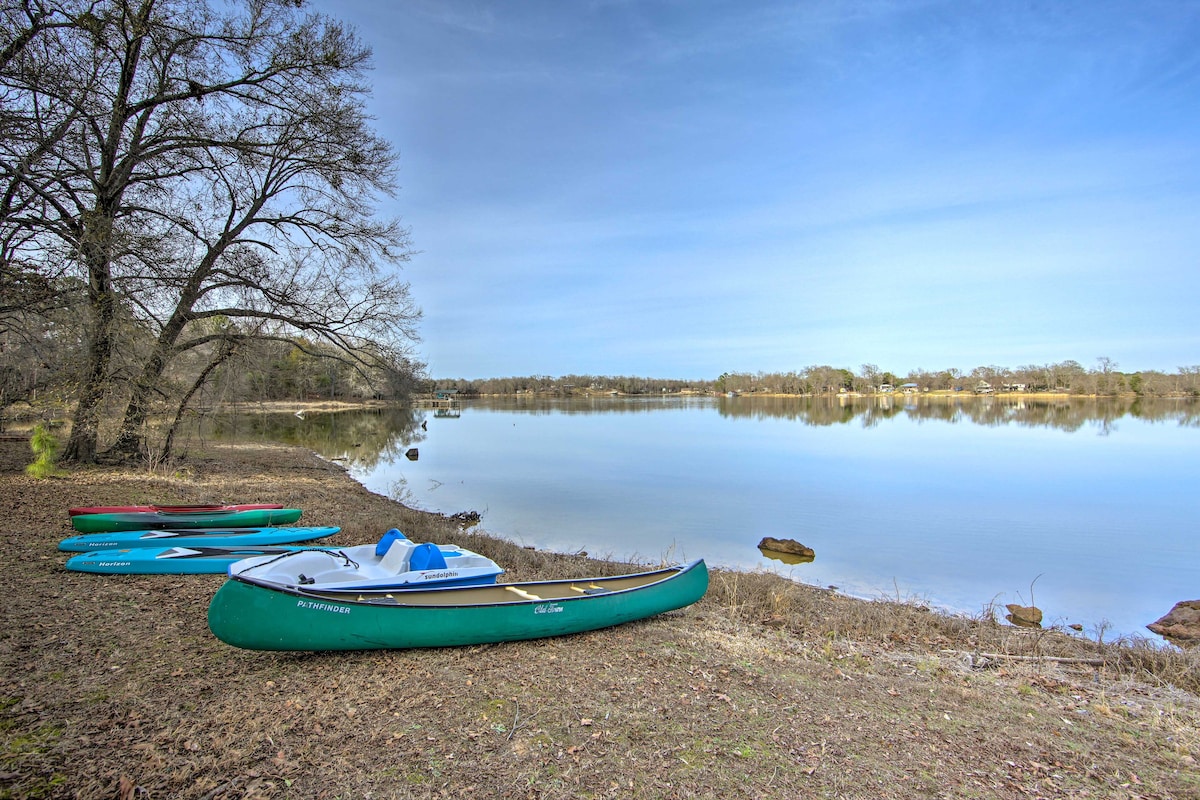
(380, 599)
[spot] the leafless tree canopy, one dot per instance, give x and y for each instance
(205, 169)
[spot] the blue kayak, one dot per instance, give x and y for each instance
(170, 560)
(192, 537)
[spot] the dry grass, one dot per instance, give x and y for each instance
(113, 687)
(813, 613)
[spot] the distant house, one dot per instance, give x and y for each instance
(445, 394)
(886, 388)
(909, 388)
(983, 387)
(1014, 387)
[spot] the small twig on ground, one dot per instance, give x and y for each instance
(517, 722)
(222, 789)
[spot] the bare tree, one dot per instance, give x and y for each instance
(868, 378)
(194, 162)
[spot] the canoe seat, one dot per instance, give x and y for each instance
(593, 589)
(522, 593)
(427, 556)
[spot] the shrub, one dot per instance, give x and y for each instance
(45, 450)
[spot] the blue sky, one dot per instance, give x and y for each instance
(680, 188)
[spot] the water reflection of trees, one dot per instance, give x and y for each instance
(362, 438)
(1031, 412)
(1061, 413)
(367, 438)
(544, 404)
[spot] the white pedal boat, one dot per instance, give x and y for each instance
(395, 562)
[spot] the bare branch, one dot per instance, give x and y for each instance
(198, 162)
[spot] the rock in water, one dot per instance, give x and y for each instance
(1180, 625)
(790, 546)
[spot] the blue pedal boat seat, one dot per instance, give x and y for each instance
(426, 556)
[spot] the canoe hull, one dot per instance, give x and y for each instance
(163, 520)
(258, 617)
(193, 537)
(176, 560)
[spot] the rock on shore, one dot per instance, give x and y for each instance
(1180, 625)
(789, 546)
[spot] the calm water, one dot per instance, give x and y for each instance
(1086, 508)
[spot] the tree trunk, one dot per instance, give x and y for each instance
(85, 426)
(130, 442)
(96, 247)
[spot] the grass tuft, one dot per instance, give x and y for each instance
(45, 450)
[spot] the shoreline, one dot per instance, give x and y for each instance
(764, 685)
(21, 420)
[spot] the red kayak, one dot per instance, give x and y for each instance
(201, 508)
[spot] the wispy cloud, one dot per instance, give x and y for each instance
(729, 185)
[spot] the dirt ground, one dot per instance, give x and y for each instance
(113, 687)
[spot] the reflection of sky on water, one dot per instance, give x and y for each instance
(1097, 517)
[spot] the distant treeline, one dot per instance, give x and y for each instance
(1067, 377)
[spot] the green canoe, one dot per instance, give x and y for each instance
(259, 616)
(159, 520)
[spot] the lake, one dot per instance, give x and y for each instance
(1086, 508)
